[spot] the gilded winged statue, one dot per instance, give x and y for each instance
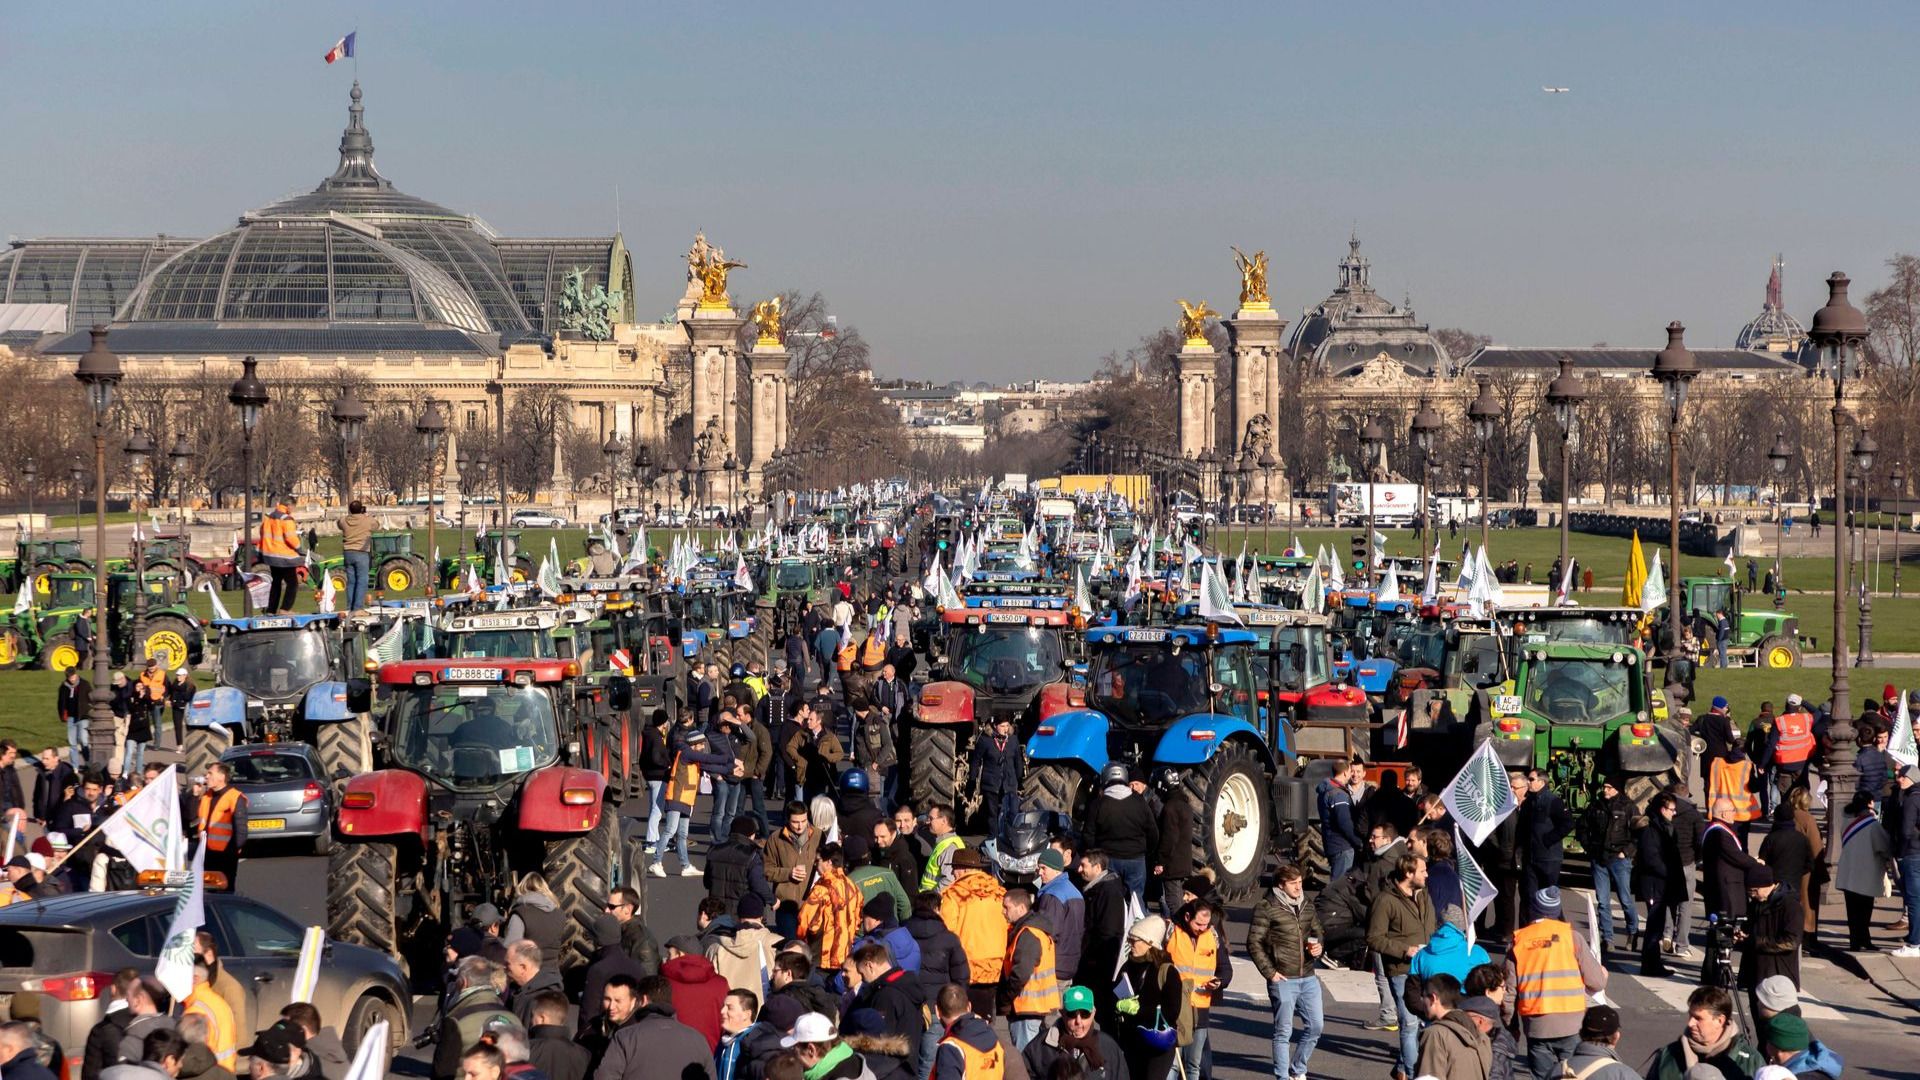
(766, 316)
(1253, 277)
(1193, 321)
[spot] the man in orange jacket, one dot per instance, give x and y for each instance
(280, 550)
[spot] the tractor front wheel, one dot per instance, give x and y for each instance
(398, 575)
(934, 765)
(1231, 818)
(60, 652)
(363, 895)
(1779, 652)
(204, 747)
(1053, 786)
(13, 648)
(581, 870)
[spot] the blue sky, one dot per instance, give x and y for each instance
(998, 191)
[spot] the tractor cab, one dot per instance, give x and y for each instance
(472, 726)
(1004, 652)
(280, 678)
(516, 632)
(1589, 625)
(1330, 718)
(1367, 633)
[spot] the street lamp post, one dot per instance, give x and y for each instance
(1426, 428)
(30, 472)
(1863, 450)
(432, 427)
(178, 457)
(349, 414)
(100, 372)
(249, 395)
(1564, 394)
(1897, 476)
(1372, 438)
(1837, 330)
(138, 450)
(1267, 462)
(732, 468)
(1484, 413)
(76, 474)
(1674, 368)
(1779, 456)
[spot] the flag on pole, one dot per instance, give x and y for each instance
(931, 583)
(1654, 595)
(1476, 892)
(147, 829)
(548, 577)
(1636, 574)
(1298, 550)
(306, 973)
(341, 48)
(1430, 591)
(1598, 997)
(370, 1061)
(23, 603)
(327, 593)
(1215, 605)
(742, 577)
(1566, 581)
(1900, 743)
(1081, 598)
(1313, 595)
(390, 648)
(175, 967)
(1390, 588)
(1480, 797)
(213, 599)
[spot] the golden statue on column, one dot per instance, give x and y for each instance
(766, 316)
(707, 264)
(1253, 280)
(1193, 322)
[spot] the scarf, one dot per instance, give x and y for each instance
(840, 1052)
(1088, 1048)
(1292, 905)
(1693, 1053)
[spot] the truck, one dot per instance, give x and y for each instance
(1393, 505)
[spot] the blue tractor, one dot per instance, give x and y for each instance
(1367, 638)
(286, 678)
(1189, 700)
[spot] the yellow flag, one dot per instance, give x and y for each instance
(1636, 574)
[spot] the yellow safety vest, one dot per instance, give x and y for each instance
(1198, 961)
(1548, 972)
(930, 877)
(1041, 994)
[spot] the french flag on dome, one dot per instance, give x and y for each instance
(343, 47)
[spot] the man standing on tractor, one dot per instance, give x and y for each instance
(223, 823)
(280, 550)
(356, 544)
(996, 767)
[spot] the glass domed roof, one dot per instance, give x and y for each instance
(352, 251)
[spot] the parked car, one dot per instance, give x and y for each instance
(67, 948)
(538, 519)
(671, 519)
(288, 797)
(626, 515)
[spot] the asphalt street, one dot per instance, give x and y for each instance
(1874, 1033)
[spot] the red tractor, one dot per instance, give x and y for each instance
(478, 786)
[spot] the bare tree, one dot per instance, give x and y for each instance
(1459, 343)
(538, 418)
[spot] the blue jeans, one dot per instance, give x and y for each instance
(359, 566)
(136, 758)
(1339, 864)
(757, 798)
(1023, 1030)
(77, 744)
(726, 806)
(656, 791)
(1133, 874)
(1910, 888)
(675, 833)
(1409, 1027)
(1609, 878)
(1288, 995)
(1193, 1056)
(929, 1047)
(1545, 1055)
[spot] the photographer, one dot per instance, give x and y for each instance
(1769, 943)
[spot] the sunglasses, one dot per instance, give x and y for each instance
(1080, 1014)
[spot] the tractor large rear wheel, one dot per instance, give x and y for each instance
(1231, 819)
(581, 870)
(166, 641)
(344, 744)
(1054, 786)
(1312, 855)
(1779, 652)
(363, 895)
(934, 766)
(59, 652)
(204, 747)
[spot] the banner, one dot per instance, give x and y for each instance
(1900, 744)
(147, 829)
(1480, 796)
(306, 973)
(1476, 892)
(174, 969)
(1215, 605)
(370, 1061)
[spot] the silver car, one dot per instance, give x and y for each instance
(287, 795)
(67, 949)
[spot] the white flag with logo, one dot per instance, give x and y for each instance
(1313, 595)
(1476, 892)
(1480, 797)
(147, 829)
(370, 1061)
(1215, 605)
(742, 577)
(1653, 594)
(931, 583)
(1390, 588)
(213, 600)
(175, 966)
(23, 603)
(1430, 591)
(390, 648)
(1900, 743)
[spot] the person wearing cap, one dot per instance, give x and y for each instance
(1774, 995)
(1606, 831)
(1030, 979)
(1716, 729)
(1063, 905)
(654, 1045)
(744, 954)
(1769, 943)
(691, 757)
(1077, 1038)
(968, 1048)
(282, 1049)
(1159, 1003)
(1551, 972)
(1904, 830)
(609, 958)
(475, 998)
(973, 908)
(1793, 742)
(1711, 1038)
(830, 914)
(1786, 1041)
(1284, 940)
(1596, 1056)
(879, 925)
(824, 1054)
(31, 882)
(697, 989)
(894, 993)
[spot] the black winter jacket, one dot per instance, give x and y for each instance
(1175, 856)
(1124, 827)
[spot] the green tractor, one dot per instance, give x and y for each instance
(394, 569)
(793, 584)
(36, 559)
(1761, 638)
(45, 636)
(1584, 711)
(520, 568)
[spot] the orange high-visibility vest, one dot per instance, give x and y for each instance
(1727, 796)
(1198, 962)
(1548, 971)
(1041, 994)
(683, 783)
(221, 1036)
(1794, 735)
(980, 1064)
(279, 536)
(843, 657)
(216, 818)
(873, 652)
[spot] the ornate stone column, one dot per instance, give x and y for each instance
(1197, 364)
(1254, 333)
(767, 365)
(713, 336)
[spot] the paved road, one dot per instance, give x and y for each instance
(1874, 1033)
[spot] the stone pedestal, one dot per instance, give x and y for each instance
(712, 337)
(767, 409)
(1254, 333)
(1198, 364)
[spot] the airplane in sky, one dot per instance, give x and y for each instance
(1556, 89)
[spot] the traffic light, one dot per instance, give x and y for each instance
(1358, 545)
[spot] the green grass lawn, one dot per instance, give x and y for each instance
(26, 710)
